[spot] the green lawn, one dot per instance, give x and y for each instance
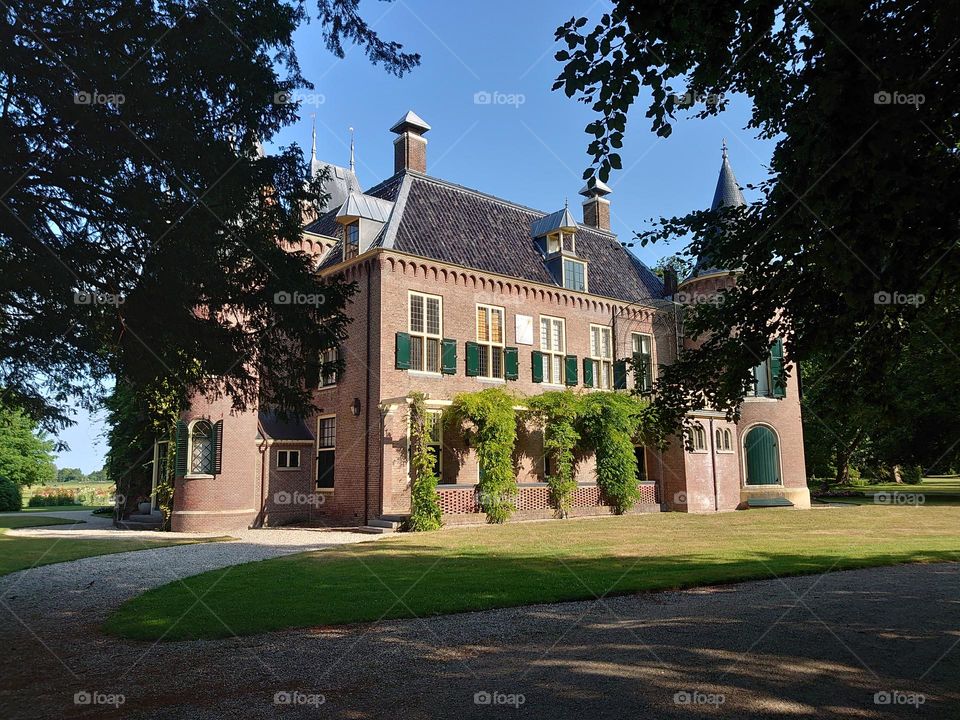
(19, 553)
(59, 508)
(477, 568)
(938, 490)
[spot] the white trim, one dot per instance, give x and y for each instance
(550, 354)
(653, 359)
(213, 460)
(288, 466)
(318, 450)
(424, 335)
(199, 476)
(706, 447)
(599, 360)
(743, 457)
(487, 346)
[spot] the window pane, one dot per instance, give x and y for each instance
(557, 336)
(483, 332)
(544, 334)
(433, 316)
(416, 352)
(325, 463)
(605, 335)
(557, 375)
(433, 355)
(546, 369)
(595, 341)
(328, 432)
(497, 355)
(484, 361)
(201, 454)
(416, 313)
(496, 325)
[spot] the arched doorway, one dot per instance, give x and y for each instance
(761, 456)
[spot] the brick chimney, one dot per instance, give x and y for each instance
(596, 208)
(410, 147)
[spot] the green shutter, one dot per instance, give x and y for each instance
(448, 357)
(181, 461)
(620, 375)
(403, 351)
(511, 363)
(570, 370)
(587, 372)
(778, 378)
(217, 449)
(473, 359)
(536, 366)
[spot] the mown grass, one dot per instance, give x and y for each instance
(479, 568)
(20, 553)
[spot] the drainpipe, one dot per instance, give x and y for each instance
(713, 465)
(366, 414)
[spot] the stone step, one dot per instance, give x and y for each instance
(375, 529)
(381, 522)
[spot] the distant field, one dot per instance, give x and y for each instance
(92, 495)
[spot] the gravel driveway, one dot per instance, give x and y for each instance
(880, 643)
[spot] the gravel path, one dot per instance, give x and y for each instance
(819, 646)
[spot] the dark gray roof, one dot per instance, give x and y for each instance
(275, 428)
(450, 223)
(727, 194)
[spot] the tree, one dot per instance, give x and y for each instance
(26, 455)
(683, 266)
(145, 236)
(70, 475)
(98, 476)
(854, 237)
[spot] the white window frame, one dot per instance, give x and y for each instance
(425, 336)
(489, 348)
(602, 365)
(698, 432)
(723, 440)
(635, 345)
(213, 459)
(321, 448)
(348, 252)
(285, 458)
(563, 274)
(549, 353)
(329, 355)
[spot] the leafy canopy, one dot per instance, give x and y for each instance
(26, 455)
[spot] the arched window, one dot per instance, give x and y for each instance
(698, 438)
(723, 440)
(201, 448)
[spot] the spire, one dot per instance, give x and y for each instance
(728, 192)
(314, 163)
(352, 166)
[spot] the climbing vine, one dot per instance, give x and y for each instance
(425, 511)
(609, 424)
(490, 425)
(558, 412)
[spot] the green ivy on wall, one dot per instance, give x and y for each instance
(558, 413)
(425, 513)
(490, 426)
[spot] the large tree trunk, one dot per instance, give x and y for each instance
(843, 455)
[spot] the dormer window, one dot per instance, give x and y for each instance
(574, 275)
(351, 239)
(568, 242)
(553, 243)
(563, 240)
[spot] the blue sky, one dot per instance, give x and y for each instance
(531, 151)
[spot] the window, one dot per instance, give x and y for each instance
(426, 329)
(568, 240)
(326, 451)
(601, 356)
(574, 275)
(201, 448)
(553, 345)
(434, 438)
(553, 243)
(564, 240)
(723, 440)
(698, 438)
(328, 375)
(288, 459)
(640, 454)
(768, 376)
(490, 340)
(643, 359)
(351, 240)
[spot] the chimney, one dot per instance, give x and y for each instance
(670, 281)
(596, 208)
(410, 147)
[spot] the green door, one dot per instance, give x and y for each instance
(763, 457)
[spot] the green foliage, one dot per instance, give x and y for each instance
(130, 130)
(25, 453)
(425, 512)
(11, 500)
(610, 424)
(558, 413)
(53, 498)
(70, 475)
(491, 428)
(680, 263)
(912, 474)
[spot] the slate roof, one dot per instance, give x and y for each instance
(450, 223)
(275, 428)
(727, 194)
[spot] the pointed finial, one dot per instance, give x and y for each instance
(724, 145)
(566, 203)
(313, 149)
(351, 151)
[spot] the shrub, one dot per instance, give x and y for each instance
(11, 500)
(911, 474)
(425, 513)
(492, 429)
(558, 412)
(51, 497)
